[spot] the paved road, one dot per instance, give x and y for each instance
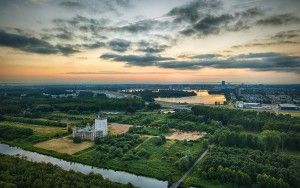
(176, 184)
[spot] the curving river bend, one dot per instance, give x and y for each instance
(115, 176)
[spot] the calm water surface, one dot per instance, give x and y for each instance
(115, 176)
(202, 97)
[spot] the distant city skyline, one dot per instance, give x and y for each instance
(149, 41)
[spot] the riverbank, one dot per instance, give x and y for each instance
(112, 175)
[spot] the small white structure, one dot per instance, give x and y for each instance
(98, 129)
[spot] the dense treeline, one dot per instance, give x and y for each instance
(249, 120)
(266, 140)
(16, 172)
(35, 121)
(11, 133)
(248, 167)
(149, 95)
(36, 105)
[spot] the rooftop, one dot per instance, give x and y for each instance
(288, 105)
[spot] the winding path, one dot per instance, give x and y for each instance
(176, 184)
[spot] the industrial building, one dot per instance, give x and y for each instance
(288, 107)
(98, 129)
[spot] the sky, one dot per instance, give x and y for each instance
(150, 41)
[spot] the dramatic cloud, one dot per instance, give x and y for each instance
(282, 19)
(291, 37)
(31, 44)
(254, 61)
(192, 12)
(119, 45)
(212, 24)
(209, 25)
(95, 45)
(285, 35)
(143, 60)
(151, 47)
(71, 4)
(141, 26)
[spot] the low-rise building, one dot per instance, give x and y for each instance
(287, 106)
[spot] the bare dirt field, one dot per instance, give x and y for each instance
(179, 135)
(116, 128)
(63, 145)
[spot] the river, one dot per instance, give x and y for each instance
(115, 176)
(202, 97)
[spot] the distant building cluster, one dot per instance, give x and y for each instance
(288, 107)
(248, 105)
(252, 105)
(98, 129)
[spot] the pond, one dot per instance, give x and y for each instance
(202, 97)
(115, 176)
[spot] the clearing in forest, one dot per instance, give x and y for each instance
(116, 128)
(64, 145)
(180, 135)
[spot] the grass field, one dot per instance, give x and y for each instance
(64, 145)
(117, 128)
(38, 130)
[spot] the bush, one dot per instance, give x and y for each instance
(143, 153)
(77, 139)
(11, 133)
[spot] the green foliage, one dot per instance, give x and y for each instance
(11, 133)
(153, 106)
(35, 121)
(266, 140)
(113, 146)
(250, 162)
(185, 162)
(270, 182)
(250, 120)
(227, 175)
(143, 153)
(16, 172)
(159, 140)
(149, 95)
(77, 139)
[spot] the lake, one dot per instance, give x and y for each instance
(202, 97)
(115, 176)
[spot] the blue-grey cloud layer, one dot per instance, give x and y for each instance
(255, 61)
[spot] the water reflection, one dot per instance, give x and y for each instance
(203, 97)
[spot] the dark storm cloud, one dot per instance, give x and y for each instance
(32, 44)
(291, 37)
(191, 12)
(209, 25)
(255, 61)
(71, 4)
(142, 26)
(259, 62)
(151, 47)
(94, 45)
(137, 60)
(284, 35)
(281, 19)
(119, 45)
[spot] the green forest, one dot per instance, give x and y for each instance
(19, 173)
